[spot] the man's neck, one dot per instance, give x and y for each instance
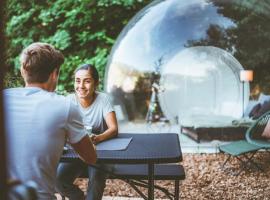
(44, 86)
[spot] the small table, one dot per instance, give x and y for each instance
(145, 148)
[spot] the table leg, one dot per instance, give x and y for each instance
(151, 173)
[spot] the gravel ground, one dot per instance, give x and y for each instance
(205, 180)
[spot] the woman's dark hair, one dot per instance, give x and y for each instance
(91, 69)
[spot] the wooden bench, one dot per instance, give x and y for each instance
(137, 175)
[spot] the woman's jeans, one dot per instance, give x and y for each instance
(68, 172)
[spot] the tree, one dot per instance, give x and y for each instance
(248, 40)
(83, 30)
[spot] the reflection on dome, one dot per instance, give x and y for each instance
(192, 50)
(202, 80)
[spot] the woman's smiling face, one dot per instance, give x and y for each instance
(85, 85)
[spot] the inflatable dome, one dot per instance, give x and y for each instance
(202, 80)
(185, 57)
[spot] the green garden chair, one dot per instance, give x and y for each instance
(244, 150)
(253, 135)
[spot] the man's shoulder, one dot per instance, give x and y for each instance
(18, 92)
(50, 96)
(36, 95)
(12, 90)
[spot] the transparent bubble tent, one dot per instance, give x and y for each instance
(186, 56)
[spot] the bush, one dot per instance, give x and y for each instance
(83, 30)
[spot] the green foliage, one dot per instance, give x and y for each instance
(86, 30)
(83, 30)
(12, 80)
(61, 39)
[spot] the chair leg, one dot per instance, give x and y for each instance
(176, 190)
(223, 165)
(242, 168)
(252, 162)
(249, 160)
(248, 163)
(243, 162)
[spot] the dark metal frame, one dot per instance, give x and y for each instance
(253, 136)
(135, 183)
(130, 156)
(248, 163)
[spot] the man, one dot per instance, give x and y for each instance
(39, 121)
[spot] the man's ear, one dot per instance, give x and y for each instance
(22, 72)
(55, 74)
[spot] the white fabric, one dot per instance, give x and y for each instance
(197, 121)
(38, 123)
(263, 98)
(212, 121)
(249, 107)
(96, 113)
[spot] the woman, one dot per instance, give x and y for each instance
(98, 113)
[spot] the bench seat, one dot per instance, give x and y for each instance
(140, 171)
(135, 175)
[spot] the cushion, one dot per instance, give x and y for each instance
(263, 98)
(255, 111)
(263, 109)
(249, 107)
(266, 132)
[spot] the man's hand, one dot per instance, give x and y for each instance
(86, 150)
(95, 138)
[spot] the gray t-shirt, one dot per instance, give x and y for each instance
(38, 123)
(95, 114)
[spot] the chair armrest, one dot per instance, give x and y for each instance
(259, 125)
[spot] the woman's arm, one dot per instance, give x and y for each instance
(112, 130)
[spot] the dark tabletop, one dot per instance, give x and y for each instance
(143, 148)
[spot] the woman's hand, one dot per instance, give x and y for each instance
(111, 132)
